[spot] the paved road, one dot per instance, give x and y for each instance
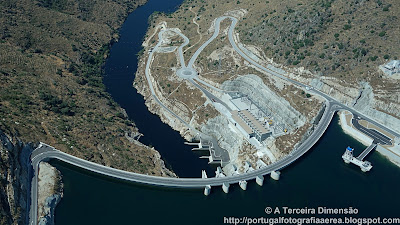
(210, 95)
(210, 86)
(42, 150)
(217, 152)
(45, 152)
(374, 134)
(215, 34)
(147, 73)
(355, 112)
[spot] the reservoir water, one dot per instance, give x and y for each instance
(319, 179)
(120, 71)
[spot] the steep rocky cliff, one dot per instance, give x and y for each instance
(266, 99)
(50, 192)
(369, 105)
(14, 179)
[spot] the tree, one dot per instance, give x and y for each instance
(346, 27)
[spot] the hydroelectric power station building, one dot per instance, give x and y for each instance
(248, 123)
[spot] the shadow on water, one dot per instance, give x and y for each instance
(120, 71)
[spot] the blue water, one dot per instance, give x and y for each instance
(120, 71)
(319, 178)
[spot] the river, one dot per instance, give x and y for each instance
(120, 69)
(319, 178)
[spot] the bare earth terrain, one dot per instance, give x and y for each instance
(330, 45)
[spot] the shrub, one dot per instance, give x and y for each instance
(373, 58)
(386, 8)
(308, 42)
(346, 27)
(364, 51)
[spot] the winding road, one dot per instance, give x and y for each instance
(45, 152)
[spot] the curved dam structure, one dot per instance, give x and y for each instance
(46, 152)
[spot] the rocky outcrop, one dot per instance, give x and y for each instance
(229, 139)
(15, 179)
(266, 99)
(50, 204)
(366, 104)
(363, 99)
(133, 137)
(332, 87)
(380, 103)
(50, 190)
(154, 107)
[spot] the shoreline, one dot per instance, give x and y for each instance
(50, 192)
(345, 123)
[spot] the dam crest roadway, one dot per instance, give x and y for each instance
(45, 152)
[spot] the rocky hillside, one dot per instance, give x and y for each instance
(51, 90)
(50, 192)
(342, 42)
(336, 46)
(14, 179)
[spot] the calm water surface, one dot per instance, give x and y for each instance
(319, 178)
(120, 71)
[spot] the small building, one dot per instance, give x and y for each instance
(250, 125)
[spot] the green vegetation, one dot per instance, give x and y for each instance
(346, 27)
(386, 8)
(373, 58)
(58, 105)
(51, 87)
(334, 33)
(90, 71)
(54, 4)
